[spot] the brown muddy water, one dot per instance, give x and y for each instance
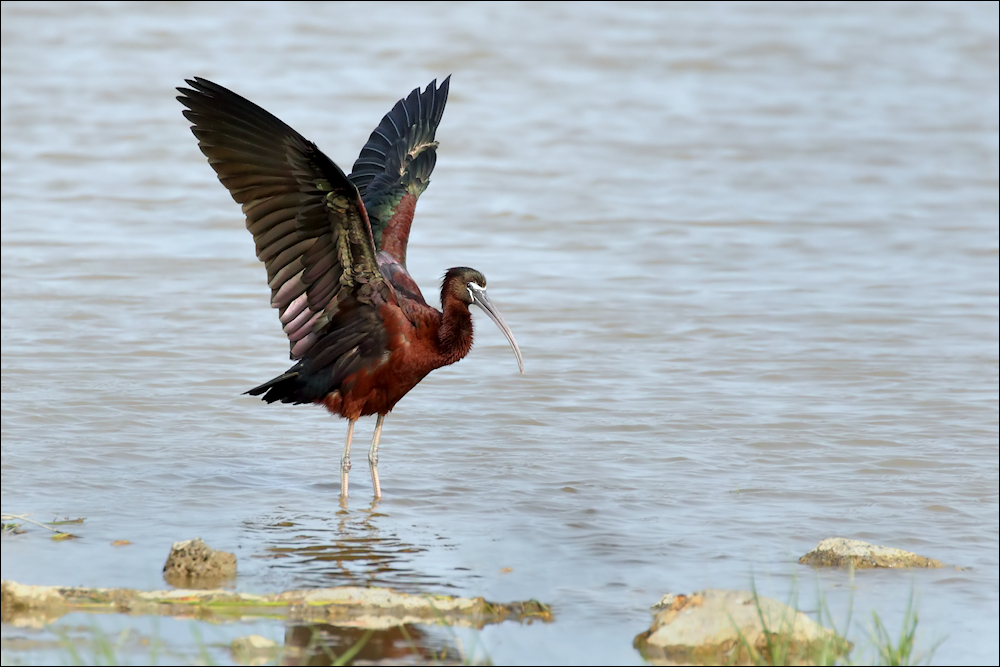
(749, 251)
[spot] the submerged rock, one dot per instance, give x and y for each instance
(841, 552)
(254, 650)
(253, 643)
(735, 628)
(346, 606)
(34, 606)
(193, 563)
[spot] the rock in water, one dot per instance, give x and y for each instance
(344, 606)
(717, 627)
(194, 564)
(840, 552)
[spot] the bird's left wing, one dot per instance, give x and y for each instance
(309, 224)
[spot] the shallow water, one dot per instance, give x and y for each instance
(750, 253)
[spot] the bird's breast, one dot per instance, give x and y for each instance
(411, 353)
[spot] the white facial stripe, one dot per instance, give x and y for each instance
(476, 287)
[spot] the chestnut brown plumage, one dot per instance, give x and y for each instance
(334, 247)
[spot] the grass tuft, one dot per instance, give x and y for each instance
(901, 651)
(835, 649)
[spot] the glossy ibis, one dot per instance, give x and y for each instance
(334, 247)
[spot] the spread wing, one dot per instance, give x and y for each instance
(310, 227)
(395, 166)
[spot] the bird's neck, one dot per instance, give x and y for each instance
(455, 334)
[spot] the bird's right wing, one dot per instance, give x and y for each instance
(395, 166)
(309, 224)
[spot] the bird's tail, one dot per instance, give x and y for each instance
(284, 388)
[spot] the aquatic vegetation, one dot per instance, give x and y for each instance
(886, 649)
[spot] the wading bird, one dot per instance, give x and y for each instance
(334, 247)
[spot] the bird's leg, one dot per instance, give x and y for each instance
(373, 457)
(345, 460)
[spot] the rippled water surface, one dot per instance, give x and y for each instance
(750, 253)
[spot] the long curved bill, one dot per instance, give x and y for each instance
(480, 299)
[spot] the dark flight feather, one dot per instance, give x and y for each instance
(397, 162)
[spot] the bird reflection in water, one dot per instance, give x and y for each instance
(406, 644)
(350, 551)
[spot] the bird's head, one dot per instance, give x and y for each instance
(469, 287)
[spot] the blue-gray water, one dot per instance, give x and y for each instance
(750, 252)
